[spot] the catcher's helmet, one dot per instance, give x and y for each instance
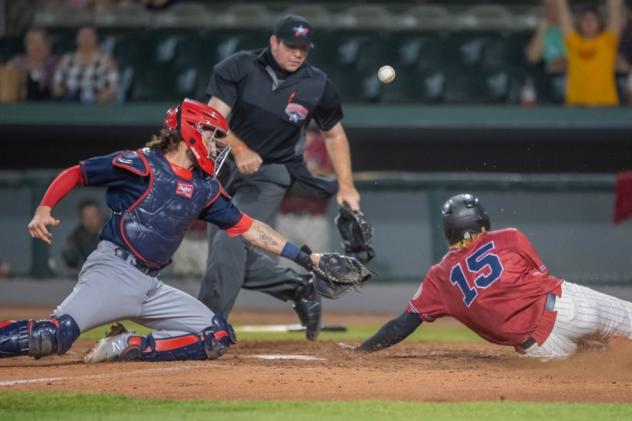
(463, 216)
(192, 118)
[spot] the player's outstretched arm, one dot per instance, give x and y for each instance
(391, 333)
(268, 239)
(58, 189)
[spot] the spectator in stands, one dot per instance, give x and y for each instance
(624, 59)
(592, 51)
(35, 68)
(547, 43)
(86, 75)
(84, 238)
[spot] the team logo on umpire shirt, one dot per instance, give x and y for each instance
(184, 189)
(296, 112)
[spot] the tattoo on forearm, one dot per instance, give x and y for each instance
(264, 235)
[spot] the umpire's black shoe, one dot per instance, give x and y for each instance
(308, 307)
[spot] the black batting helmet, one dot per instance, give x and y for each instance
(463, 215)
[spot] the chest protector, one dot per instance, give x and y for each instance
(154, 226)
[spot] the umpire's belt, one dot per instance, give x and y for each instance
(530, 341)
(123, 254)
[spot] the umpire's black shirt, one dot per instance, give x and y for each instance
(270, 107)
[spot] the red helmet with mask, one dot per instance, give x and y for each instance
(192, 119)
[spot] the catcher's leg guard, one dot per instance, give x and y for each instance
(37, 338)
(211, 344)
(55, 335)
(14, 338)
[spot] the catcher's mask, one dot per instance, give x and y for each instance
(463, 216)
(200, 126)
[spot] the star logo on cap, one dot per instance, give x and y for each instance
(300, 31)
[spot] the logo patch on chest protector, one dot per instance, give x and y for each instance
(296, 112)
(184, 189)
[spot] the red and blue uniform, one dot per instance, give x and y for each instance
(497, 286)
(148, 219)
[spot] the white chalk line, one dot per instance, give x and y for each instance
(287, 357)
(95, 376)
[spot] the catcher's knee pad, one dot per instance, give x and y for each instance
(218, 337)
(14, 338)
(55, 335)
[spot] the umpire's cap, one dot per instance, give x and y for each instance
(294, 31)
(463, 215)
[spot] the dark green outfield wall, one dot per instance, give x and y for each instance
(405, 138)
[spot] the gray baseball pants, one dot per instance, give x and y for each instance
(111, 289)
(232, 264)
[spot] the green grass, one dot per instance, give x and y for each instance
(427, 332)
(72, 406)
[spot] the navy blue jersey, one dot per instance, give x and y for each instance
(127, 181)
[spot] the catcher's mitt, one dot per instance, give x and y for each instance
(356, 233)
(337, 274)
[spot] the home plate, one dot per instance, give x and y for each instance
(288, 357)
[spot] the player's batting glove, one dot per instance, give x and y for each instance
(335, 273)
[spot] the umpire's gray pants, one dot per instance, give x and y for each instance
(110, 289)
(232, 264)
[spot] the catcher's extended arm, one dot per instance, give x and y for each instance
(335, 273)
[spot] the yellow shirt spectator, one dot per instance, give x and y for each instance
(591, 73)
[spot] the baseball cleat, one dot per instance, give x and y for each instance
(308, 307)
(116, 346)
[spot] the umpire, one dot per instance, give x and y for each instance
(270, 96)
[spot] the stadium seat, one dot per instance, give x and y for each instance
(248, 16)
(9, 47)
(57, 16)
(365, 17)
(185, 15)
(486, 16)
(128, 16)
(154, 84)
(317, 14)
(425, 18)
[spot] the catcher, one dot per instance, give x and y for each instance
(494, 283)
(155, 194)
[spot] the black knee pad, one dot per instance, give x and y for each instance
(55, 335)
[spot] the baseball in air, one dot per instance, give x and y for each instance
(386, 74)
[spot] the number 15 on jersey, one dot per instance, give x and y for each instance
(484, 264)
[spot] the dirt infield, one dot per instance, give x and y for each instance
(414, 371)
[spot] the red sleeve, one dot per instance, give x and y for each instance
(62, 185)
(426, 302)
(243, 225)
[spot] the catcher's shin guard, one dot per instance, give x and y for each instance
(14, 338)
(37, 338)
(211, 344)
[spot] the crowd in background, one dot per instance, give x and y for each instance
(84, 75)
(588, 49)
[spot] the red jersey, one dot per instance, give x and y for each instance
(497, 286)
